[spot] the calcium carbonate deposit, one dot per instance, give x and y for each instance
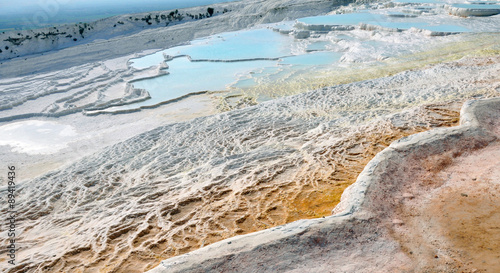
(186, 135)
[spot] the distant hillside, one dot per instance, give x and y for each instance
(56, 13)
(25, 42)
(130, 34)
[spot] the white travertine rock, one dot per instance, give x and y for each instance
(464, 10)
(277, 250)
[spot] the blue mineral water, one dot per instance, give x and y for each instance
(186, 77)
(342, 19)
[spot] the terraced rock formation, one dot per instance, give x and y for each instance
(183, 186)
(429, 202)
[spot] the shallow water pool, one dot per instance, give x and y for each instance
(190, 77)
(36, 136)
(342, 19)
(240, 45)
(312, 59)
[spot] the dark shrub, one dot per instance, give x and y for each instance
(210, 11)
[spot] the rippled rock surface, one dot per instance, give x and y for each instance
(169, 177)
(186, 185)
(428, 202)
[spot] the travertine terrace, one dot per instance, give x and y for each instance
(405, 117)
(427, 203)
(135, 203)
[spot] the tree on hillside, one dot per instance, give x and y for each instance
(210, 11)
